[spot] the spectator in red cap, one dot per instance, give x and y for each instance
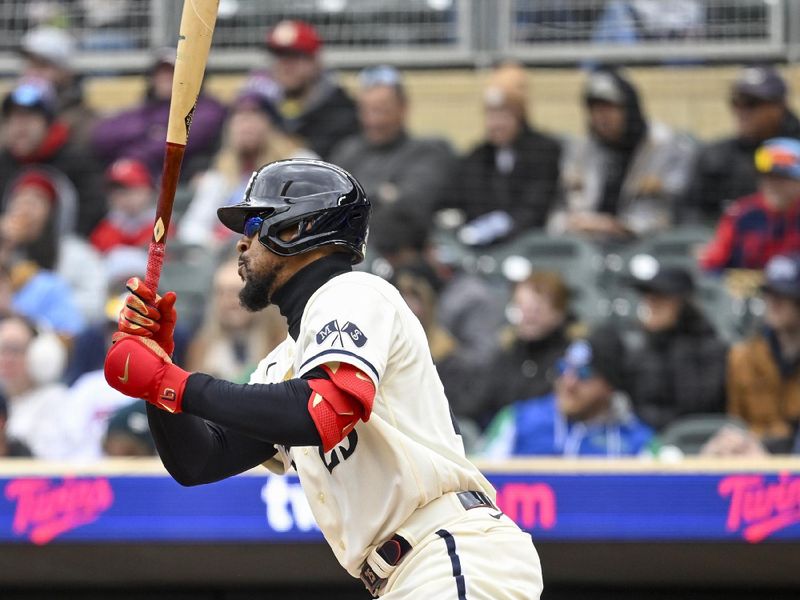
(32, 135)
(140, 131)
(314, 106)
(36, 234)
(131, 207)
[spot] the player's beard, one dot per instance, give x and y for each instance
(257, 291)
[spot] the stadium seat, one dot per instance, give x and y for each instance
(688, 434)
(188, 270)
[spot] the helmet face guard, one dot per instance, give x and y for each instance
(324, 204)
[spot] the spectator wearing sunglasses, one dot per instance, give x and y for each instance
(588, 414)
(724, 169)
(401, 173)
(759, 226)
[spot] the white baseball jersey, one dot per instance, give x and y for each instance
(408, 453)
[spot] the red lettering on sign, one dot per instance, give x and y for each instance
(46, 509)
(759, 509)
(530, 505)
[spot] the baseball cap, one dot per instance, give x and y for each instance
(782, 276)
(649, 276)
(762, 83)
(602, 351)
(49, 44)
(779, 156)
(129, 172)
(33, 94)
(293, 37)
(131, 420)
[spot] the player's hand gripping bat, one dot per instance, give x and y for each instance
(197, 28)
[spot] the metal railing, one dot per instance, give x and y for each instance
(119, 35)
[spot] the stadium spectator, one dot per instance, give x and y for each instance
(759, 226)
(626, 177)
(586, 415)
(254, 135)
(131, 207)
(49, 53)
(420, 288)
(232, 340)
(314, 106)
(31, 361)
(508, 183)
(139, 132)
(468, 308)
(33, 136)
(40, 296)
(724, 169)
(399, 171)
(524, 363)
(128, 432)
(763, 382)
(36, 226)
(677, 360)
(9, 447)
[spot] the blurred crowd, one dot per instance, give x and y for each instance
(530, 363)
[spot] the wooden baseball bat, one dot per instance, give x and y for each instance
(194, 41)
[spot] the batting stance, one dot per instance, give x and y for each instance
(351, 400)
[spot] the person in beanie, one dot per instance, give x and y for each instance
(132, 207)
(724, 169)
(128, 432)
(511, 177)
(757, 227)
(625, 178)
(588, 414)
(677, 359)
(763, 382)
(315, 108)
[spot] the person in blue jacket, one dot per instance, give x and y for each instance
(587, 414)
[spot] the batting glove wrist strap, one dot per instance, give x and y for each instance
(140, 368)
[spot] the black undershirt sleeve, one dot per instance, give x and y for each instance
(228, 428)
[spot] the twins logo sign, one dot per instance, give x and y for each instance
(349, 329)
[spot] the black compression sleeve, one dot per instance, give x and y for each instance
(195, 451)
(273, 412)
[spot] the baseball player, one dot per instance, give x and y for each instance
(350, 400)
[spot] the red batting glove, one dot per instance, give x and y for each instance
(147, 314)
(138, 367)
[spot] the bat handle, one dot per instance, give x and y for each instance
(155, 260)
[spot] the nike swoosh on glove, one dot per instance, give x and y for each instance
(139, 367)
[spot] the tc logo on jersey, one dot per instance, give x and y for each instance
(349, 329)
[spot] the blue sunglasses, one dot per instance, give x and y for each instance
(582, 373)
(252, 226)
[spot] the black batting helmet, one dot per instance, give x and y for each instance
(324, 202)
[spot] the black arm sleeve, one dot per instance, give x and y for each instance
(227, 428)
